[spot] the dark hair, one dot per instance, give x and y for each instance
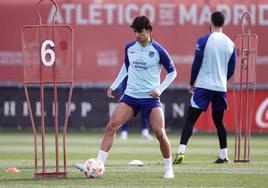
(141, 22)
(217, 18)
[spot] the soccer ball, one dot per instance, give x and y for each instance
(94, 168)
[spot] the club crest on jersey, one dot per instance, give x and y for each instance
(151, 54)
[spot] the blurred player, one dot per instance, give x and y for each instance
(145, 133)
(144, 59)
(144, 121)
(213, 65)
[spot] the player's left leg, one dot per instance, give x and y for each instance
(157, 121)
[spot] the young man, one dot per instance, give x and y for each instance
(213, 65)
(144, 59)
(145, 124)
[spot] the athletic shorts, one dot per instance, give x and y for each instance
(202, 97)
(144, 104)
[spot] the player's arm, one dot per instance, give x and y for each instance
(231, 65)
(198, 59)
(170, 76)
(166, 82)
(122, 74)
(120, 77)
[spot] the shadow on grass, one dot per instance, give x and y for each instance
(32, 179)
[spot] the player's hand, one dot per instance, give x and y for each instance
(154, 94)
(191, 89)
(109, 93)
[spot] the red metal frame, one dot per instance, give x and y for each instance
(42, 82)
(244, 88)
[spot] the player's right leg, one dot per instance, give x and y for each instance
(222, 136)
(219, 104)
(121, 114)
(193, 115)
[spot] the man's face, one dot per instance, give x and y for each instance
(142, 35)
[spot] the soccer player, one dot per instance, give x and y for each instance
(213, 65)
(144, 59)
(145, 124)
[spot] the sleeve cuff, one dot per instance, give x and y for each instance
(158, 92)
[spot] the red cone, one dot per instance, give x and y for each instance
(12, 170)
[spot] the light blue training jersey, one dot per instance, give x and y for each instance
(214, 62)
(143, 66)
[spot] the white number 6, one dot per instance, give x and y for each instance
(45, 51)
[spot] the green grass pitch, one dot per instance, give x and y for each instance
(16, 150)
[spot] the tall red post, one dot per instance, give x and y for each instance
(244, 84)
(48, 62)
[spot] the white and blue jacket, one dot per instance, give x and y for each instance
(143, 67)
(214, 62)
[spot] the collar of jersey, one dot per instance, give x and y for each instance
(148, 44)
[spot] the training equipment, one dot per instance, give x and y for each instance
(12, 170)
(178, 158)
(135, 163)
(93, 168)
(244, 83)
(47, 55)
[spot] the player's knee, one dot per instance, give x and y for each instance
(217, 121)
(160, 134)
(114, 122)
(110, 128)
(217, 117)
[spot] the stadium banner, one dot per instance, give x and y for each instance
(101, 30)
(90, 108)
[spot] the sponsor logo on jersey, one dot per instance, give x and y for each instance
(140, 65)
